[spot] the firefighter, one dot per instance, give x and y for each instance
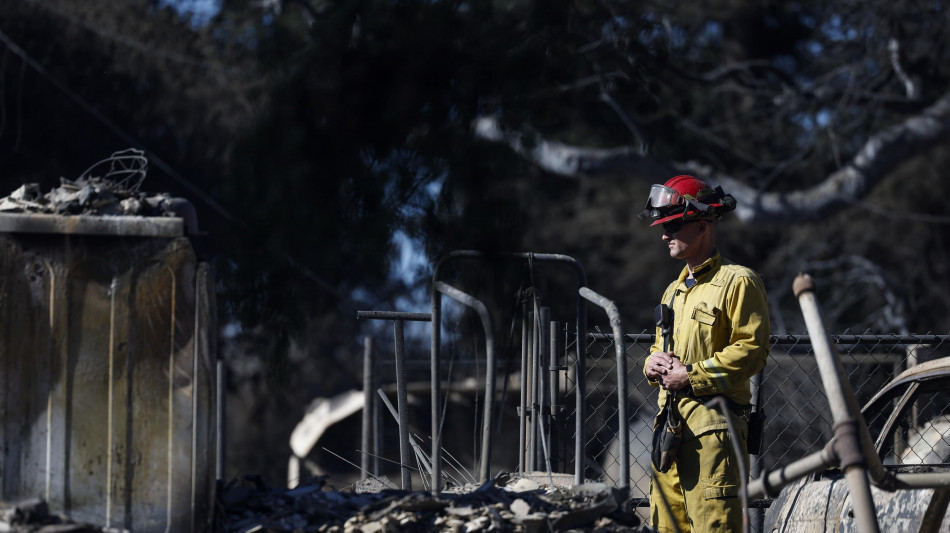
(719, 340)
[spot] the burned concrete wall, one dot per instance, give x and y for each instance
(107, 376)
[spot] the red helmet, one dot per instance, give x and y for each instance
(685, 197)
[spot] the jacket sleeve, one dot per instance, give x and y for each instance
(747, 348)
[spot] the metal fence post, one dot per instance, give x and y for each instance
(622, 421)
(523, 407)
(532, 370)
(756, 521)
(369, 384)
(435, 386)
(543, 394)
(551, 374)
(843, 408)
(581, 350)
(479, 307)
(402, 403)
(401, 392)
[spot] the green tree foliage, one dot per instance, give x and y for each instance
(82, 80)
(309, 135)
(803, 107)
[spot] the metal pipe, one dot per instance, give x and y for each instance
(622, 430)
(369, 382)
(402, 403)
(523, 406)
(865, 514)
(557, 346)
(914, 420)
(435, 385)
(769, 484)
(929, 480)
(532, 371)
(581, 335)
(543, 398)
(394, 315)
(377, 423)
(844, 409)
(487, 414)
(757, 520)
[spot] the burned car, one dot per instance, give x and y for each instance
(909, 420)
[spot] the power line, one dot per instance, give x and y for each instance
(114, 128)
(138, 45)
(160, 163)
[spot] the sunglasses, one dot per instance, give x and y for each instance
(673, 226)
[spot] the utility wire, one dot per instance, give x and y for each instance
(114, 128)
(164, 166)
(19, 97)
(137, 45)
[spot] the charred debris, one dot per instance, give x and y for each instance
(506, 503)
(111, 187)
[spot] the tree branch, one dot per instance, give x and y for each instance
(882, 153)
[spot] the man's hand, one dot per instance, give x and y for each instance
(659, 364)
(676, 377)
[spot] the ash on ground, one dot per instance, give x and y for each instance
(507, 503)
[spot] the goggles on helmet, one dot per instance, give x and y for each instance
(665, 203)
(662, 196)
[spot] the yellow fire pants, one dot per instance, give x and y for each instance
(701, 490)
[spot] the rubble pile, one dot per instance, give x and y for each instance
(33, 516)
(88, 196)
(108, 188)
(504, 504)
(251, 507)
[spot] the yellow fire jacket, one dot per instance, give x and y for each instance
(721, 331)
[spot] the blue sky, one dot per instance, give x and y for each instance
(198, 10)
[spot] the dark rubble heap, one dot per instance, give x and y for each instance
(111, 187)
(33, 516)
(88, 196)
(250, 507)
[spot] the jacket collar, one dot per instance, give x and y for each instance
(703, 272)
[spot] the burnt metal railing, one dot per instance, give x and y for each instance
(622, 433)
(479, 307)
(581, 322)
(402, 408)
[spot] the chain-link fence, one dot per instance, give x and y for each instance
(799, 419)
(535, 425)
(554, 411)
